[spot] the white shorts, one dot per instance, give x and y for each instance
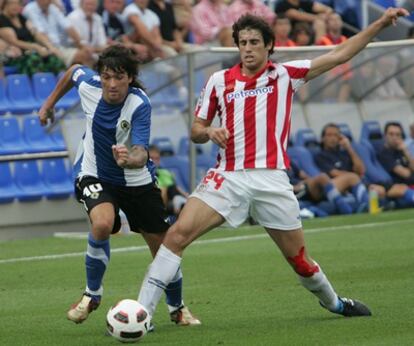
(264, 194)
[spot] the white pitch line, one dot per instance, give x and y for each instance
(207, 241)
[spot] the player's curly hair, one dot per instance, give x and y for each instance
(119, 58)
(249, 21)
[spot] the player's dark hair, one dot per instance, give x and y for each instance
(119, 58)
(249, 21)
(393, 123)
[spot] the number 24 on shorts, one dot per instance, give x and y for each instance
(215, 177)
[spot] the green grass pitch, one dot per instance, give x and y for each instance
(235, 281)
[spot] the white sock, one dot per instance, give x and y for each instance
(320, 286)
(162, 270)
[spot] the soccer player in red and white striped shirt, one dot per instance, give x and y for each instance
(253, 101)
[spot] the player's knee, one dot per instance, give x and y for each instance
(177, 238)
(302, 266)
(102, 226)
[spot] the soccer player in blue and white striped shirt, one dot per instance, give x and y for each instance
(113, 169)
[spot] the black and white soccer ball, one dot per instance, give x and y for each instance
(128, 321)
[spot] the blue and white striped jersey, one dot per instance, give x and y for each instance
(127, 123)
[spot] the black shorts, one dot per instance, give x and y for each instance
(142, 205)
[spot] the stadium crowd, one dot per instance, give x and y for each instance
(50, 35)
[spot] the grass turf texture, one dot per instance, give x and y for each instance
(243, 291)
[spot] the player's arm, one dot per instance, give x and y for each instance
(357, 165)
(137, 157)
(346, 50)
(64, 84)
(202, 132)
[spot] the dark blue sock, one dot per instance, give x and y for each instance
(360, 193)
(96, 261)
(174, 293)
(333, 195)
(409, 196)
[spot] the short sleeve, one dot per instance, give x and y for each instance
(82, 74)
(387, 160)
(297, 71)
(206, 107)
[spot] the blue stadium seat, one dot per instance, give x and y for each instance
(43, 84)
(8, 189)
(165, 145)
(371, 132)
(27, 179)
(184, 147)
(70, 99)
(307, 138)
(345, 130)
(374, 172)
(11, 139)
(56, 179)
(36, 136)
(58, 138)
(180, 166)
(20, 94)
(303, 158)
(4, 101)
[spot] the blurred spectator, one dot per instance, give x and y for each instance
(338, 159)
(88, 23)
(315, 189)
(210, 24)
(308, 11)
(115, 29)
(173, 39)
(378, 79)
(240, 7)
(303, 34)
(183, 11)
(409, 142)
(143, 26)
(282, 28)
(49, 20)
(36, 53)
(172, 195)
(396, 160)
(341, 90)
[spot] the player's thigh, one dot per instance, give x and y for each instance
(274, 205)
(195, 219)
(99, 203)
(144, 208)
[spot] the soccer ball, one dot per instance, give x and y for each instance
(128, 321)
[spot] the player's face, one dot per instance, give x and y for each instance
(115, 86)
(253, 52)
(393, 137)
(331, 138)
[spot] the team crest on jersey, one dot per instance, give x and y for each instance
(125, 125)
(240, 94)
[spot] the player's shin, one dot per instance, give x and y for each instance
(96, 261)
(160, 273)
(312, 278)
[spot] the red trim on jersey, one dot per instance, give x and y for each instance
(296, 72)
(286, 126)
(238, 71)
(212, 107)
(249, 118)
(229, 83)
(271, 144)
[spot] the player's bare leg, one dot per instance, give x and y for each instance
(97, 258)
(292, 245)
(179, 313)
(195, 219)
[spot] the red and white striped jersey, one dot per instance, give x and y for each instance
(256, 111)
